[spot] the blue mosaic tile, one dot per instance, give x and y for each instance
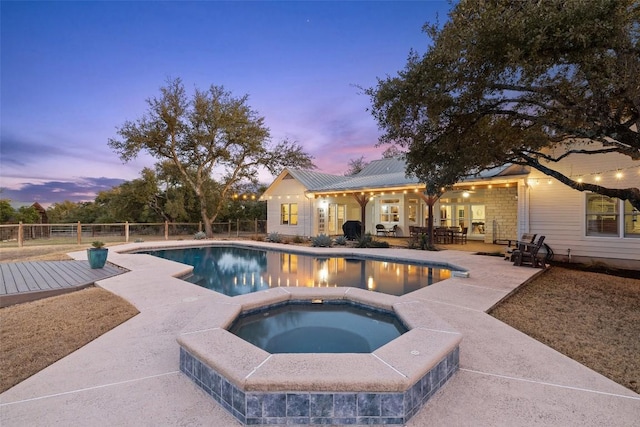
(239, 403)
(325, 421)
(345, 421)
(298, 421)
(216, 384)
(321, 405)
(319, 408)
(392, 405)
(254, 406)
(426, 383)
(368, 405)
(274, 405)
(239, 417)
(227, 392)
(226, 406)
(392, 421)
(297, 405)
(344, 405)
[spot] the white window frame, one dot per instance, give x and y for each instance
(288, 217)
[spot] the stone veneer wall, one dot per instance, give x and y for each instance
(501, 205)
(318, 408)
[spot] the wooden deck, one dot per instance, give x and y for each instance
(28, 281)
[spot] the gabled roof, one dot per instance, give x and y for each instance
(383, 167)
(315, 180)
(383, 173)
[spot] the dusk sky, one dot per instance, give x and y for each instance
(72, 72)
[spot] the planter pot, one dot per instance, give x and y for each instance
(97, 257)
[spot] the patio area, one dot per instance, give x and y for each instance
(130, 375)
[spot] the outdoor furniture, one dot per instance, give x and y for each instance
(512, 245)
(527, 253)
(460, 236)
(443, 235)
(381, 229)
(352, 230)
(393, 230)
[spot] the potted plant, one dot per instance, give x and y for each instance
(97, 254)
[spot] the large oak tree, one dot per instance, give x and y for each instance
(214, 140)
(511, 81)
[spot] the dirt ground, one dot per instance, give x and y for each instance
(591, 317)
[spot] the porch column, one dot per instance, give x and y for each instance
(362, 200)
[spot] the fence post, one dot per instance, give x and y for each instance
(255, 226)
(229, 228)
(166, 230)
(20, 234)
(200, 226)
(237, 227)
(79, 232)
(126, 231)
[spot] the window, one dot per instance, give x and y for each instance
(390, 210)
(631, 220)
(602, 215)
(413, 210)
(289, 214)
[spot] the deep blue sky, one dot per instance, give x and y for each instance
(72, 72)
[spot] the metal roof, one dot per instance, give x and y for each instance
(384, 173)
(316, 180)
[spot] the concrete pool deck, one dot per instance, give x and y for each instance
(130, 375)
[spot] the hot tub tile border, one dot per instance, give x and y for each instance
(256, 408)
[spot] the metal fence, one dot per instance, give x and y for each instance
(78, 233)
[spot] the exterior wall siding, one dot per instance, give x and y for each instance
(559, 212)
(290, 191)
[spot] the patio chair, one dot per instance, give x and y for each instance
(443, 235)
(461, 235)
(381, 229)
(527, 253)
(512, 245)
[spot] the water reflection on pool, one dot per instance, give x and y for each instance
(236, 271)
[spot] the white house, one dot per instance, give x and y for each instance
(498, 204)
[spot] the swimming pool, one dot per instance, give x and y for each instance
(235, 271)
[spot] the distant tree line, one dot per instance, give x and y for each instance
(154, 197)
(25, 214)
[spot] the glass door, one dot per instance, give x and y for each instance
(477, 221)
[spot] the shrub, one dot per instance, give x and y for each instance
(257, 237)
(97, 244)
(364, 241)
(274, 238)
(378, 244)
(341, 240)
(321, 240)
(298, 239)
(200, 235)
(367, 241)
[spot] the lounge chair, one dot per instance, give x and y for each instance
(512, 245)
(528, 254)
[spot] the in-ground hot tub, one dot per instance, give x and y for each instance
(318, 326)
(385, 386)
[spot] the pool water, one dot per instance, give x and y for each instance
(235, 270)
(318, 328)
